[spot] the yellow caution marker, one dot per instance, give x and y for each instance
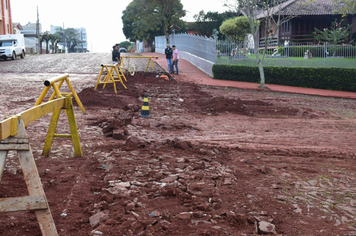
(145, 111)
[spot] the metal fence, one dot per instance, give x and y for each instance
(200, 46)
(203, 52)
(289, 54)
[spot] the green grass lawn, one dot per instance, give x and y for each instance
(292, 61)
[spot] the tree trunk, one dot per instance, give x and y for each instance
(259, 62)
(262, 74)
(167, 38)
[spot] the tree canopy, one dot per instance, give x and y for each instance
(145, 19)
(68, 35)
(236, 28)
(346, 6)
(125, 44)
(206, 23)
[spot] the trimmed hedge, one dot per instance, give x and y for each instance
(342, 79)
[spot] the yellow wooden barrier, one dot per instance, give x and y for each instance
(150, 61)
(113, 72)
(52, 83)
(72, 126)
(36, 200)
(8, 127)
(13, 136)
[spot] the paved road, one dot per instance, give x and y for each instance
(189, 72)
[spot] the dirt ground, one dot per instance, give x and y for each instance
(208, 161)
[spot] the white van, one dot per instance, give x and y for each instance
(12, 46)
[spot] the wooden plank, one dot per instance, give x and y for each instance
(73, 128)
(23, 203)
(14, 140)
(34, 185)
(75, 95)
(8, 127)
(5, 128)
(3, 155)
(14, 146)
(39, 111)
(51, 131)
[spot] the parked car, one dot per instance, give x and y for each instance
(12, 46)
(122, 50)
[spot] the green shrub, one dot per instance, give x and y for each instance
(342, 79)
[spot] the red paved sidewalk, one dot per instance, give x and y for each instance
(190, 73)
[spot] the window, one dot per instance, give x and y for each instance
(5, 43)
(286, 27)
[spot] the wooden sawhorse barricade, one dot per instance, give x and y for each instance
(149, 63)
(37, 199)
(56, 113)
(13, 136)
(113, 73)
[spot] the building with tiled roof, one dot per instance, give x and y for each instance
(310, 7)
(306, 15)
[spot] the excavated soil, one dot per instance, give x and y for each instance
(208, 161)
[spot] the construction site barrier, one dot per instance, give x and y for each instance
(56, 113)
(13, 136)
(52, 83)
(150, 61)
(114, 72)
(37, 199)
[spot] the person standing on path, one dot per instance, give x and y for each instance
(175, 59)
(169, 54)
(115, 55)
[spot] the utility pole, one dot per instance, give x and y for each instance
(38, 33)
(65, 40)
(81, 38)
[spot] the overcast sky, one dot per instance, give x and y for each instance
(102, 20)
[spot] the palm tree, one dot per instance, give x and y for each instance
(69, 36)
(55, 39)
(46, 37)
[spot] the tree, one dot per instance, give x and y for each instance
(46, 37)
(125, 44)
(138, 21)
(335, 35)
(346, 7)
(69, 36)
(206, 23)
(236, 28)
(169, 13)
(145, 19)
(55, 39)
(270, 14)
